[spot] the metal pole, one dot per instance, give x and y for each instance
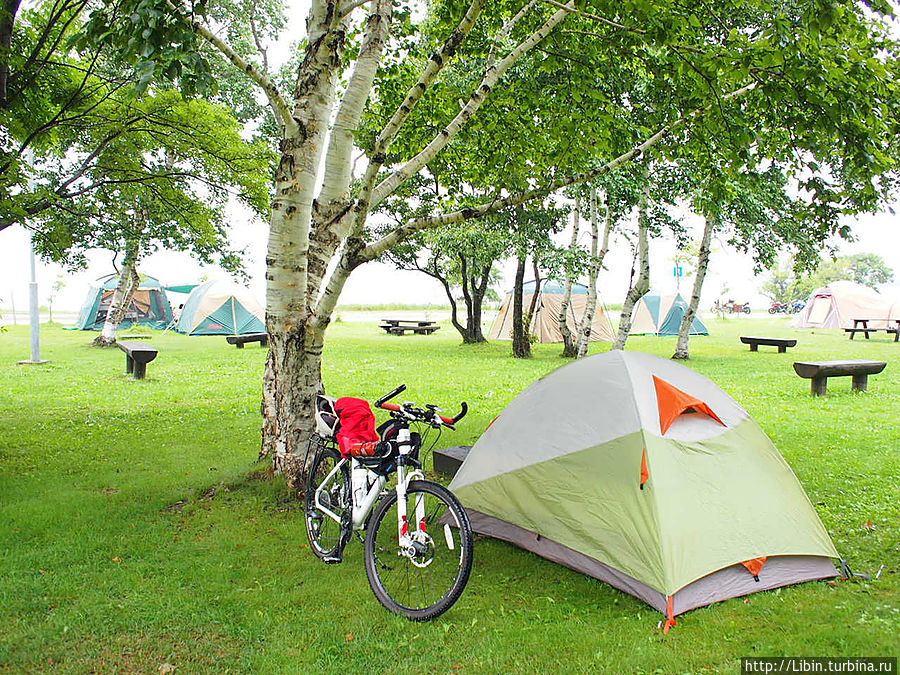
(12, 299)
(33, 309)
(33, 302)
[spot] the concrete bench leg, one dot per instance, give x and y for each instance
(140, 370)
(240, 345)
(860, 382)
(754, 347)
(819, 386)
(129, 365)
(782, 349)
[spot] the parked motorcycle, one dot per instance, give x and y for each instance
(779, 308)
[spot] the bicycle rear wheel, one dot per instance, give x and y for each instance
(327, 538)
(424, 583)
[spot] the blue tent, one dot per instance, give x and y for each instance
(149, 305)
(661, 314)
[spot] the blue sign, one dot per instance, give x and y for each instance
(678, 271)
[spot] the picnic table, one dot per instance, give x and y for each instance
(820, 371)
(756, 341)
(862, 326)
(402, 326)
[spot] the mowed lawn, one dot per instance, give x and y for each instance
(137, 528)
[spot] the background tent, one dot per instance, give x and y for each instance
(219, 308)
(546, 321)
(149, 306)
(661, 314)
(642, 473)
(838, 303)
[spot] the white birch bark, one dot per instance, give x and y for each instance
(568, 343)
(590, 309)
(682, 349)
(642, 285)
(121, 299)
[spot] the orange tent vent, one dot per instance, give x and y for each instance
(755, 565)
(673, 403)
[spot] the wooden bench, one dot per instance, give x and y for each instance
(137, 356)
(401, 327)
(755, 342)
(241, 340)
(820, 371)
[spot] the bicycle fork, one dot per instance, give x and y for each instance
(413, 543)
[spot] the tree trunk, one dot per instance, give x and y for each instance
(293, 378)
(7, 22)
(479, 290)
(682, 350)
(590, 308)
(129, 280)
(568, 341)
(532, 309)
(521, 344)
(642, 285)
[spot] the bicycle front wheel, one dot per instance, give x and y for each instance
(424, 581)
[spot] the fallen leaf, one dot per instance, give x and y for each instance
(42, 571)
(869, 525)
(746, 601)
(117, 559)
(166, 668)
(832, 583)
(349, 637)
(456, 667)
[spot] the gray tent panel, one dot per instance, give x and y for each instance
(731, 582)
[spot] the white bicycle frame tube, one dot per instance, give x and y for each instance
(403, 479)
(362, 508)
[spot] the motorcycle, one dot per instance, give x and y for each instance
(779, 308)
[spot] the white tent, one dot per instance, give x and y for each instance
(840, 302)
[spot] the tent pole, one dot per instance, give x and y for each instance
(233, 318)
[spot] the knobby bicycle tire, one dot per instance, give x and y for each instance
(327, 539)
(389, 571)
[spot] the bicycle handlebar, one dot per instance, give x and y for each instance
(416, 412)
(387, 397)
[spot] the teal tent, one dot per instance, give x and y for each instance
(661, 314)
(149, 305)
(218, 308)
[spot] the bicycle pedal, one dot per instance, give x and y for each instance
(333, 560)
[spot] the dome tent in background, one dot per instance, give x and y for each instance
(646, 475)
(840, 302)
(221, 308)
(661, 314)
(149, 305)
(546, 321)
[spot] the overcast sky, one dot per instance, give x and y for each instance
(377, 283)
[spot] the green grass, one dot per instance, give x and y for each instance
(137, 529)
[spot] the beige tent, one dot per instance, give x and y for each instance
(220, 308)
(546, 321)
(840, 302)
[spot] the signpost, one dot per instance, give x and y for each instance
(33, 298)
(678, 272)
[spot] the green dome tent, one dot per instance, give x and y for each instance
(644, 474)
(219, 308)
(661, 314)
(149, 305)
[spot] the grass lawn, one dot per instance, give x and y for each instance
(137, 529)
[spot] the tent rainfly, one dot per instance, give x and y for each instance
(218, 308)
(149, 305)
(545, 325)
(838, 303)
(661, 314)
(644, 474)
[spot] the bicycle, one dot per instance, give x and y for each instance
(420, 568)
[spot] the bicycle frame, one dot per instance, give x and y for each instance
(363, 496)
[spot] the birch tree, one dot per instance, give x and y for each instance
(732, 80)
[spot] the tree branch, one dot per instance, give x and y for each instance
(376, 248)
(278, 104)
(492, 75)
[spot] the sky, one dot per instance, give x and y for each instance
(730, 274)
